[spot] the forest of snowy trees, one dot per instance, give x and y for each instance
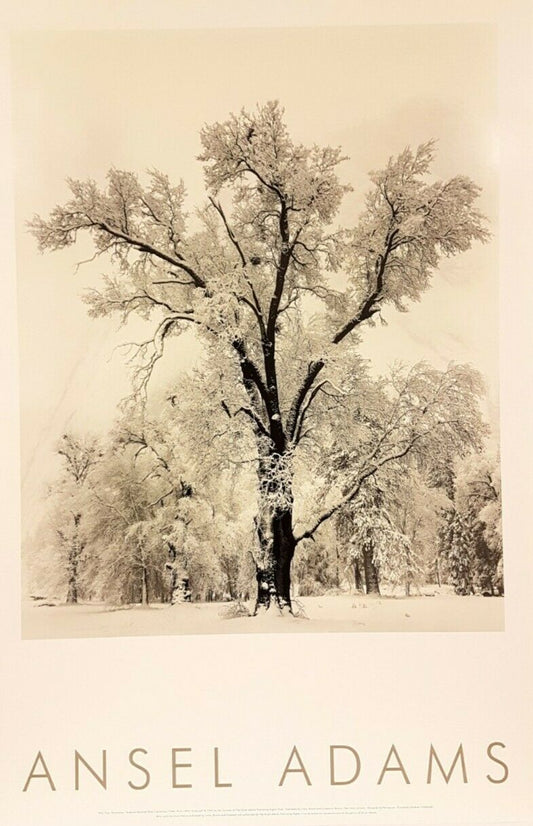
(281, 465)
(125, 526)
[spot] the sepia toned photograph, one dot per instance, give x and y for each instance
(257, 275)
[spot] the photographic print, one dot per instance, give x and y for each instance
(260, 388)
(266, 414)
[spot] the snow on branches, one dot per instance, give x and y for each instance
(421, 411)
(259, 260)
(408, 224)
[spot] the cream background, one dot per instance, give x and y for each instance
(365, 690)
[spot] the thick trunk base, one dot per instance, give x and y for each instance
(274, 581)
(283, 549)
(266, 590)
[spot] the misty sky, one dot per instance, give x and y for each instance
(83, 102)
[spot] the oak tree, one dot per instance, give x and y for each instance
(261, 257)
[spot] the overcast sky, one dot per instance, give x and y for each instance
(83, 102)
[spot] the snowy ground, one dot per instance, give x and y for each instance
(329, 613)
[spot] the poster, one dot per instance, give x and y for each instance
(401, 723)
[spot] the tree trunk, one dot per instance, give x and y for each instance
(72, 595)
(144, 587)
(74, 555)
(371, 573)
(408, 573)
(266, 589)
(357, 575)
(274, 577)
(283, 551)
(264, 569)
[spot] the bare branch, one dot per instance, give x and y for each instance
(160, 498)
(255, 419)
(298, 428)
(229, 231)
(174, 281)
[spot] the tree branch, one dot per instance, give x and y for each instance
(254, 305)
(229, 231)
(367, 309)
(255, 419)
(144, 246)
(303, 413)
(251, 376)
(356, 486)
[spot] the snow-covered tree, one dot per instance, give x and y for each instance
(405, 512)
(323, 565)
(376, 543)
(127, 555)
(475, 528)
(420, 510)
(461, 552)
(263, 251)
(58, 561)
(156, 531)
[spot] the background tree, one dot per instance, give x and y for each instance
(160, 532)
(242, 275)
(391, 534)
(377, 545)
(127, 552)
(321, 566)
(474, 540)
(63, 538)
(419, 509)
